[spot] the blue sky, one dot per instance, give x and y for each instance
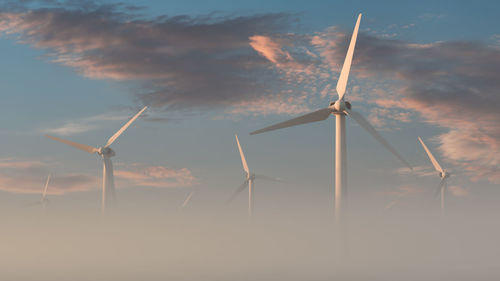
(41, 95)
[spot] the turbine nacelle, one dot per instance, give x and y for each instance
(340, 106)
(445, 174)
(106, 152)
(251, 177)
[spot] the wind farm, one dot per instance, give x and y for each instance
(181, 196)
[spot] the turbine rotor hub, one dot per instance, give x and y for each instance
(340, 106)
(444, 175)
(106, 152)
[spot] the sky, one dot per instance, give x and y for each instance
(208, 70)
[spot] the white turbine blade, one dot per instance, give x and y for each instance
(86, 148)
(315, 116)
(238, 191)
(369, 128)
(117, 134)
(344, 74)
(243, 160)
(268, 178)
(187, 199)
(431, 157)
(45, 189)
(440, 186)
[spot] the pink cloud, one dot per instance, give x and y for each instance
(268, 48)
(458, 191)
(156, 176)
(21, 176)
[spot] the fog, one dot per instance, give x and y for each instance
(281, 242)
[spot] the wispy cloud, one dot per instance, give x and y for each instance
(401, 195)
(458, 191)
(432, 16)
(86, 124)
(155, 176)
(420, 171)
(27, 176)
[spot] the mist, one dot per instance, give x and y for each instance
(209, 240)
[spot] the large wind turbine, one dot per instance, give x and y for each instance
(443, 174)
(340, 109)
(108, 183)
(249, 180)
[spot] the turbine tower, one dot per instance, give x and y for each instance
(249, 180)
(340, 108)
(108, 183)
(443, 174)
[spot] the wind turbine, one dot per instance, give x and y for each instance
(108, 183)
(443, 174)
(249, 180)
(340, 109)
(44, 199)
(186, 201)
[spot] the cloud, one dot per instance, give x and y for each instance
(401, 193)
(155, 176)
(86, 124)
(268, 48)
(180, 61)
(26, 176)
(452, 85)
(458, 191)
(420, 171)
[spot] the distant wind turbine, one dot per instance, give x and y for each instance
(249, 180)
(186, 201)
(108, 183)
(340, 109)
(443, 174)
(44, 199)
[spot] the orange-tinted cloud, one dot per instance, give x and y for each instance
(269, 48)
(155, 176)
(26, 176)
(23, 176)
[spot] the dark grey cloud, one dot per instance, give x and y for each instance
(181, 61)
